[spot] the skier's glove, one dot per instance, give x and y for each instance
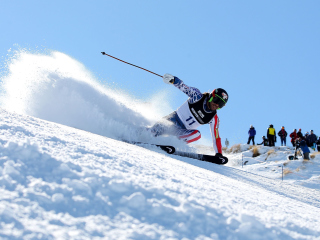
(168, 78)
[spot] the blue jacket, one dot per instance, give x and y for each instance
(304, 147)
(252, 132)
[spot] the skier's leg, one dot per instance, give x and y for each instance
(158, 129)
(172, 125)
(189, 136)
(168, 125)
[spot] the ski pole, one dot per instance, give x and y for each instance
(103, 53)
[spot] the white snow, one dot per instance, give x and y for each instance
(60, 182)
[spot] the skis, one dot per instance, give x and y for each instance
(202, 157)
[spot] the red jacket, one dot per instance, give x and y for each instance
(293, 136)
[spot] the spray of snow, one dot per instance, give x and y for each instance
(57, 88)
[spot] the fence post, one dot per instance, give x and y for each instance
(242, 160)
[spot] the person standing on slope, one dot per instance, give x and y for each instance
(199, 109)
(283, 136)
(271, 134)
(293, 136)
(252, 134)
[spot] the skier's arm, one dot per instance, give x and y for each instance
(216, 140)
(193, 93)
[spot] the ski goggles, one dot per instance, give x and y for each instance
(218, 100)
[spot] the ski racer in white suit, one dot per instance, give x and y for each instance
(199, 109)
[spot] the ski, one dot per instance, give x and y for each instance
(167, 148)
(202, 157)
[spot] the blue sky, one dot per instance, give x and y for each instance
(266, 54)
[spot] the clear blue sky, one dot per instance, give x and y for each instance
(265, 53)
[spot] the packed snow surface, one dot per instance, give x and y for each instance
(65, 174)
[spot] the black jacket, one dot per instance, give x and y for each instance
(265, 142)
(282, 134)
(300, 135)
(312, 138)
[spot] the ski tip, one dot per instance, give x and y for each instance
(224, 162)
(213, 159)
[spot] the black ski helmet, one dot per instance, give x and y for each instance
(219, 96)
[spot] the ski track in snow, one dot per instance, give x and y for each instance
(59, 182)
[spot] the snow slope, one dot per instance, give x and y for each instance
(60, 182)
(64, 183)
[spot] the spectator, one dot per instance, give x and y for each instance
(304, 148)
(265, 141)
(306, 135)
(318, 144)
(301, 144)
(312, 139)
(227, 142)
(283, 136)
(271, 135)
(299, 134)
(296, 148)
(252, 134)
(293, 136)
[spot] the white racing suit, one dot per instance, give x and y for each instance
(189, 116)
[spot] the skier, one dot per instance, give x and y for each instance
(199, 109)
